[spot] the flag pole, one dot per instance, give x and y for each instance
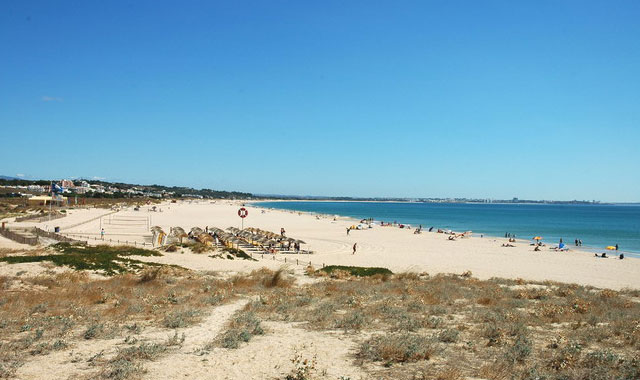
(50, 200)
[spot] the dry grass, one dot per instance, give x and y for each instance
(50, 312)
(498, 329)
(408, 326)
(397, 348)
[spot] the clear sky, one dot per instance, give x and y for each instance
(498, 99)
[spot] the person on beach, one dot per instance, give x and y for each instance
(616, 246)
(348, 230)
(621, 256)
(354, 248)
(102, 234)
(282, 231)
(580, 242)
(576, 242)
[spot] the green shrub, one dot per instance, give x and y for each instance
(110, 260)
(239, 253)
(243, 327)
(448, 336)
(182, 318)
(520, 350)
(357, 271)
(352, 321)
(93, 331)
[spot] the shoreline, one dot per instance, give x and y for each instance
(581, 248)
(550, 203)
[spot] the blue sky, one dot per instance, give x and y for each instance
(498, 99)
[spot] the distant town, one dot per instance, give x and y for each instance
(102, 189)
(15, 187)
(424, 200)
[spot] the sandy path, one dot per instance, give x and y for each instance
(73, 363)
(266, 357)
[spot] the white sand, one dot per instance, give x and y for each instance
(390, 247)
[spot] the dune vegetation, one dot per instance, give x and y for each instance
(404, 326)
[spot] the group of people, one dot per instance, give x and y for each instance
(604, 255)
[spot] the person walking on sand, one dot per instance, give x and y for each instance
(348, 230)
(354, 248)
(102, 234)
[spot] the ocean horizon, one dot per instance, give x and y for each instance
(597, 225)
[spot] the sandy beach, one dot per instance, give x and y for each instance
(397, 249)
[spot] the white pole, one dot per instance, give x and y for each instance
(50, 200)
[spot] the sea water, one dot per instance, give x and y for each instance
(597, 225)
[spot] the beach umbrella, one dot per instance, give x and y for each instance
(537, 238)
(611, 247)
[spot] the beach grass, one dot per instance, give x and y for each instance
(356, 271)
(106, 259)
(238, 253)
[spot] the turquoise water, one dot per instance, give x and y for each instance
(597, 225)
